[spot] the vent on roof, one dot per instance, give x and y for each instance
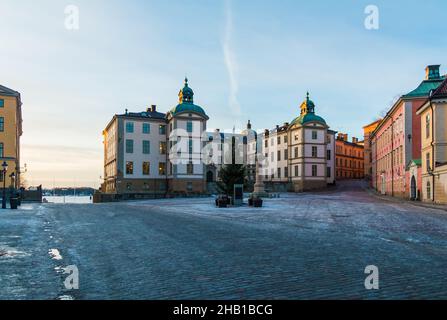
(432, 72)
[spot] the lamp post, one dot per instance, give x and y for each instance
(5, 169)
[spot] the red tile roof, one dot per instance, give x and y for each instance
(441, 91)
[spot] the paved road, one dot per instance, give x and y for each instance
(302, 246)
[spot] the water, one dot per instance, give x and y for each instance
(69, 199)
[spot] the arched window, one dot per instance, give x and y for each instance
(428, 190)
(427, 126)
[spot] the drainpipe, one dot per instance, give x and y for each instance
(392, 157)
(432, 143)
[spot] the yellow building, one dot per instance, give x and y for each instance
(434, 145)
(10, 132)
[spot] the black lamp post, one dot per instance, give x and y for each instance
(5, 169)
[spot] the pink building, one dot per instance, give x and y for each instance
(396, 142)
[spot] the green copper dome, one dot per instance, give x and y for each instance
(308, 113)
(310, 117)
(186, 102)
(187, 107)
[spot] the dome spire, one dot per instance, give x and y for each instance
(307, 106)
(186, 95)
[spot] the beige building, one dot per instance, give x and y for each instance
(300, 155)
(10, 133)
(433, 115)
(153, 154)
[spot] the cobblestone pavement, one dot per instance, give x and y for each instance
(305, 246)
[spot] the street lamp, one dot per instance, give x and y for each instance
(5, 169)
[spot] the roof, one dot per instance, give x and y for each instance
(145, 115)
(424, 88)
(308, 117)
(4, 91)
(441, 91)
(187, 107)
(416, 162)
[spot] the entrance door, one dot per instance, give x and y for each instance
(209, 176)
(413, 194)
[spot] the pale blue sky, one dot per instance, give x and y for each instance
(245, 60)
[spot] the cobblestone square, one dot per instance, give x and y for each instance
(299, 246)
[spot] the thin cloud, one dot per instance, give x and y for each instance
(230, 59)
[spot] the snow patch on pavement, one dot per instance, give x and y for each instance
(55, 254)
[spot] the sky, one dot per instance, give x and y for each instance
(251, 59)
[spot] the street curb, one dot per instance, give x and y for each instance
(374, 193)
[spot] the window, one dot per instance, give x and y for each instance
(328, 172)
(427, 161)
(189, 186)
(146, 168)
(286, 154)
(146, 128)
(328, 156)
(129, 167)
(314, 135)
(2, 124)
(296, 171)
(279, 155)
(189, 126)
(279, 172)
(286, 172)
(146, 147)
(296, 152)
(129, 146)
(2, 103)
(174, 168)
(190, 146)
(314, 152)
(1, 150)
(279, 140)
(162, 129)
(162, 168)
(314, 170)
(190, 168)
(266, 143)
(427, 126)
(286, 139)
(162, 147)
(129, 127)
(428, 190)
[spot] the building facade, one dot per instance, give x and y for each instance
(349, 158)
(299, 156)
(397, 139)
(367, 131)
(433, 115)
(155, 154)
(10, 133)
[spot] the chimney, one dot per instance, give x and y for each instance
(249, 125)
(127, 111)
(355, 140)
(432, 72)
(153, 108)
(286, 124)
